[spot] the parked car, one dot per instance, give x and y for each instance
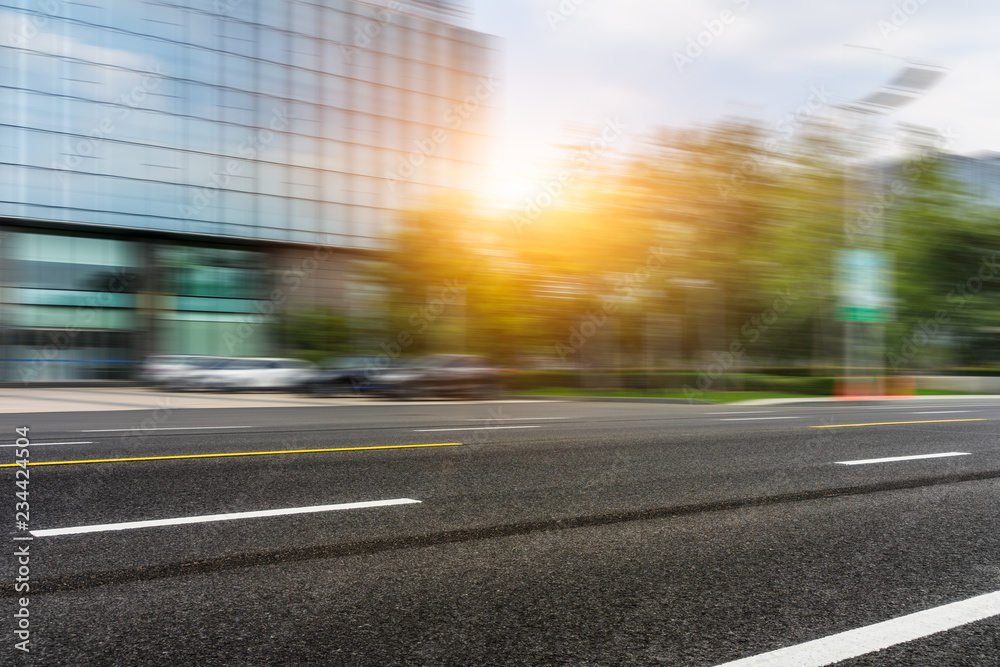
(444, 375)
(251, 373)
(169, 370)
(351, 375)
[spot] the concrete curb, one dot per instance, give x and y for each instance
(807, 403)
(878, 400)
(762, 402)
(615, 399)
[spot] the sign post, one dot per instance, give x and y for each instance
(865, 304)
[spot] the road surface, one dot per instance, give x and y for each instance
(506, 532)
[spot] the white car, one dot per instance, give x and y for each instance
(170, 370)
(252, 373)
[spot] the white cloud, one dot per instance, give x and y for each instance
(626, 20)
(615, 57)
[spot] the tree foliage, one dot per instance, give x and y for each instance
(698, 244)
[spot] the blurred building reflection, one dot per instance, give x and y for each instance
(174, 172)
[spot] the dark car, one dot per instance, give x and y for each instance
(346, 375)
(454, 375)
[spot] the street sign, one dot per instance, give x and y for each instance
(863, 282)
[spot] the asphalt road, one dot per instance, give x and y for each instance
(544, 532)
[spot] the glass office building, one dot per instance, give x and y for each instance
(165, 166)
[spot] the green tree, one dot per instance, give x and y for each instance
(946, 247)
(315, 333)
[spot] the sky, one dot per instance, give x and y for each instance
(575, 65)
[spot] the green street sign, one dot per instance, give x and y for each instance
(863, 282)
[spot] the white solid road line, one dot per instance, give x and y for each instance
(164, 428)
(469, 428)
(42, 444)
(942, 405)
(902, 458)
(746, 419)
(853, 643)
(746, 412)
(940, 412)
(128, 525)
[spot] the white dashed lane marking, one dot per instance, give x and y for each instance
(902, 458)
(205, 518)
(512, 419)
(162, 428)
(469, 428)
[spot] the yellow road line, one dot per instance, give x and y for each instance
(929, 421)
(209, 456)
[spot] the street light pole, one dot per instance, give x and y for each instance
(908, 85)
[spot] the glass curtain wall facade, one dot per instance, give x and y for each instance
(217, 124)
(69, 303)
(204, 295)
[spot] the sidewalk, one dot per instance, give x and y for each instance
(90, 399)
(94, 399)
